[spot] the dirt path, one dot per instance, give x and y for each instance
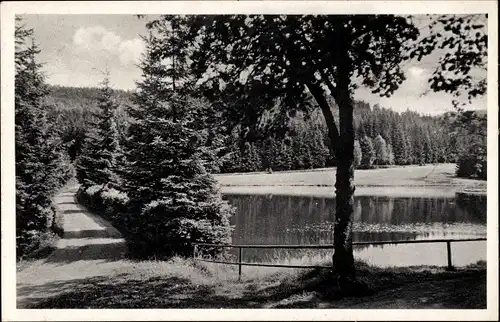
(90, 247)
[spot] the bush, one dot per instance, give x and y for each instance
(107, 202)
(159, 231)
(114, 203)
(32, 241)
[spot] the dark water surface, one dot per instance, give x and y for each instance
(273, 219)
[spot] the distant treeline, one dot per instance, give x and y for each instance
(73, 110)
(383, 137)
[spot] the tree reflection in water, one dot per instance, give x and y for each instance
(271, 219)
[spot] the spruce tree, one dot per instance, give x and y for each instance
(232, 159)
(429, 154)
(380, 147)
(98, 163)
(358, 154)
(41, 166)
(368, 153)
(390, 155)
(319, 151)
(285, 152)
(270, 152)
(174, 201)
(399, 145)
(417, 143)
(250, 158)
(409, 155)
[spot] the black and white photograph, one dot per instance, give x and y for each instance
(229, 155)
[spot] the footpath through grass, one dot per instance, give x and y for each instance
(185, 284)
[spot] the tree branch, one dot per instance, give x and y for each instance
(333, 132)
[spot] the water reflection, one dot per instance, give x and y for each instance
(309, 220)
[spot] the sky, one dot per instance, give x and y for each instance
(77, 49)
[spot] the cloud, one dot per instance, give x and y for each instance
(416, 71)
(101, 43)
(131, 51)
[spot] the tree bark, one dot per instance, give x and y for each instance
(343, 258)
(342, 145)
(333, 133)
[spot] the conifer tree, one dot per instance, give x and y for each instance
(40, 159)
(269, 153)
(174, 201)
(429, 155)
(399, 145)
(98, 163)
(368, 153)
(286, 160)
(232, 160)
(390, 155)
(250, 158)
(319, 151)
(438, 146)
(307, 158)
(358, 154)
(380, 147)
(417, 151)
(409, 156)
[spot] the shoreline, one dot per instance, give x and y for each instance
(329, 192)
(436, 181)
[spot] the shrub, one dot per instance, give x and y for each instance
(107, 202)
(157, 230)
(160, 231)
(32, 241)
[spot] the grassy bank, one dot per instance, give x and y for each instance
(428, 180)
(186, 284)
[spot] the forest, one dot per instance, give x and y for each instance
(144, 159)
(383, 137)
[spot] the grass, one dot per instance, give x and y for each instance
(180, 283)
(428, 180)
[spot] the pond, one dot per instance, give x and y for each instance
(275, 219)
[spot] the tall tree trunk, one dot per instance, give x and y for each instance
(343, 146)
(343, 259)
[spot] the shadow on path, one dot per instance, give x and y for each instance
(72, 211)
(98, 233)
(87, 239)
(112, 251)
